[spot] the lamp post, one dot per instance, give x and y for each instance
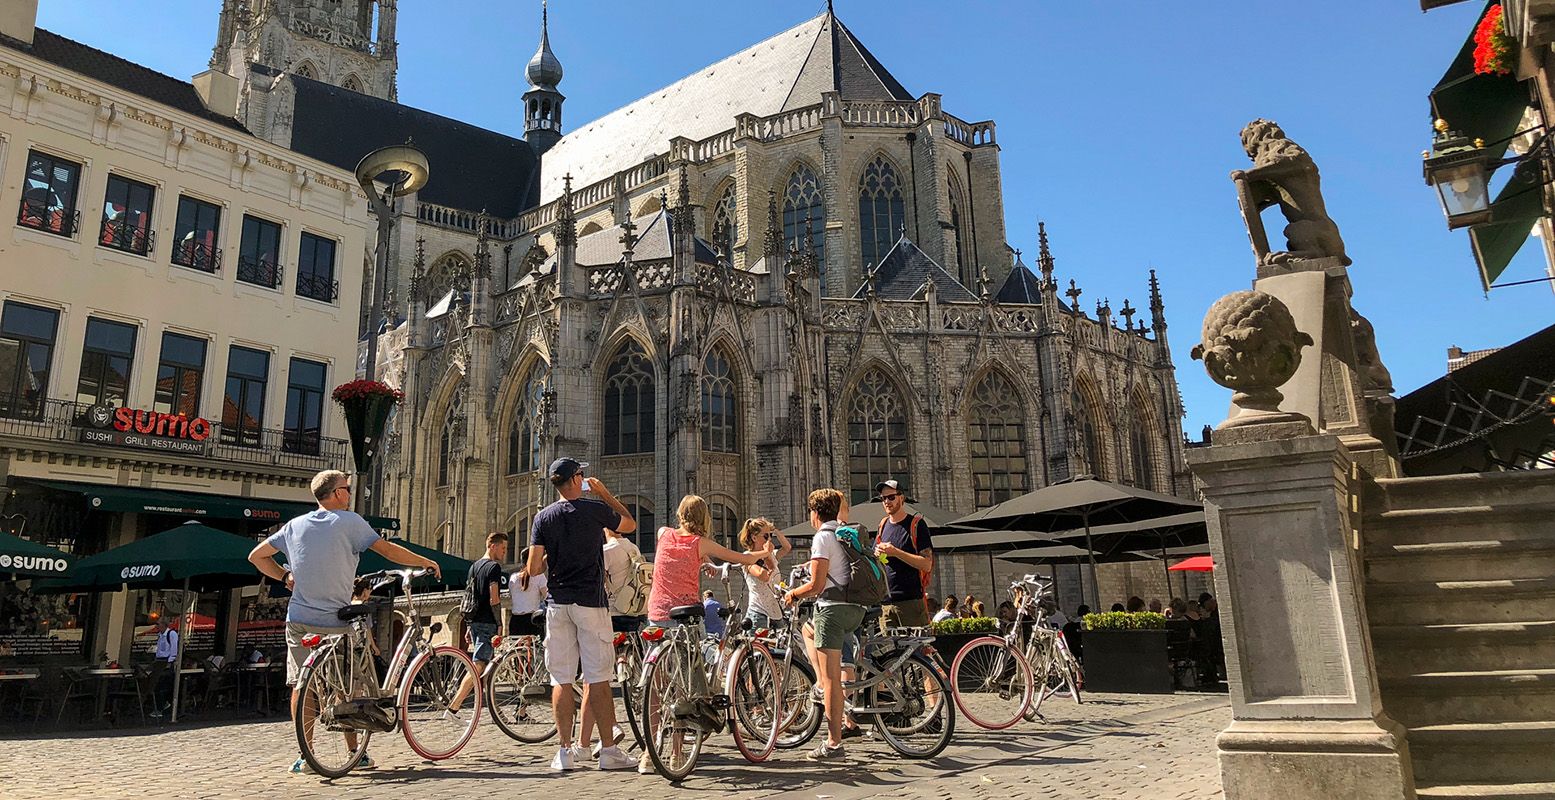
(1459, 168)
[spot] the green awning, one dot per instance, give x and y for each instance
(141, 500)
(1485, 107)
(204, 559)
(1517, 208)
(22, 557)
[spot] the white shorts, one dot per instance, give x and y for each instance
(579, 633)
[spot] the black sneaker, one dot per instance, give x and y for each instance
(853, 732)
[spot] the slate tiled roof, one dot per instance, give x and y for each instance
(789, 70)
(653, 244)
(905, 270)
(1020, 287)
(115, 71)
(472, 168)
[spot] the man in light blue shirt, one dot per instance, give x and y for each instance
(162, 667)
(322, 549)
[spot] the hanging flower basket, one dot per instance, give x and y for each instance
(366, 405)
(1494, 50)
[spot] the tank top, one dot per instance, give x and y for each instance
(677, 563)
(760, 596)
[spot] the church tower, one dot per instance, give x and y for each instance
(543, 103)
(347, 43)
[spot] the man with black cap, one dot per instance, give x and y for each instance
(568, 542)
(907, 543)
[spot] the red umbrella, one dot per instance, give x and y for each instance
(1195, 564)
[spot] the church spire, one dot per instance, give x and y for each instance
(543, 102)
(1157, 307)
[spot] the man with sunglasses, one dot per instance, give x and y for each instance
(907, 543)
(322, 549)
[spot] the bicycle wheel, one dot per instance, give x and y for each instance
(672, 745)
(926, 720)
(520, 702)
(629, 667)
(434, 727)
(802, 716)
(330, 747)
(991, 682)
(756, 701)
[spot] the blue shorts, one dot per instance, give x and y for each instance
(480, 640)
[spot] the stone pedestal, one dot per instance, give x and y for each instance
(1307, 719)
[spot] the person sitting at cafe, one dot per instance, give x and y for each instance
(163, 668)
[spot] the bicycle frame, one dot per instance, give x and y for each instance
(360, 670)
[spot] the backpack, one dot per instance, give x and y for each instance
(912, 532)
(469, 603)
(866, 577)
(630, 598)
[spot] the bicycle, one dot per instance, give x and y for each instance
(995, 679)
(519, 687)
(341, 702)
(679, 708)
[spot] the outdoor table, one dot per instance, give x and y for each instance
(259, 679)
(103, 675)
(13, 679)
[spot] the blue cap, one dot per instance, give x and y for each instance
(565, 467)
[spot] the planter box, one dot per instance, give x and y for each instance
(949, 644)
(1127, 661)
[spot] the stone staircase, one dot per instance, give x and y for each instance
(1460, 595)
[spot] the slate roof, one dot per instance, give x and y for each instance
(115, 71)
(1020, 287)
(789, 70)
(603, 247)
(472, 168)
(905, 270)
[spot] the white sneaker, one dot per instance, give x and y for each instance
(565, 759)
(616, 735)
(645, 765)
(612, 758)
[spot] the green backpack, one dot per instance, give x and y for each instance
(866, 577)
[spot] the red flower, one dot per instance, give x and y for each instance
(1492, 46)
(361, 390)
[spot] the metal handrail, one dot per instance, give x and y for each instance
(118, 235)
(197, 255)
(260, 272)
(316, 287)
(40, 215)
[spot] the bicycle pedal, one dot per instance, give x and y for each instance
(720, 702)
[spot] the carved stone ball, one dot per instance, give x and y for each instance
(1251, 345)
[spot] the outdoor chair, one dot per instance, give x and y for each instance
(1180, 652)
(78, 687)
(135, 688)
(39, 693)
(221, 686)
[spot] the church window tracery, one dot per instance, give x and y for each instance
(629, 402)
(524, 433)
(726, 226)
(958, 202)
(1088, 435)
(726, 525)
(306, 70)
(996, 436)
(448, 441)
(1142, 446)
(877, 436)
(719, 420)
(881, 210)
(802, 201)
(352, 84)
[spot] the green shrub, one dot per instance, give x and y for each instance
(968, 625)
(1125, 621)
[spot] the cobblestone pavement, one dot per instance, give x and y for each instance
(1117, 747)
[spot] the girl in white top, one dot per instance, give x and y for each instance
(528, 597)
(763, 608)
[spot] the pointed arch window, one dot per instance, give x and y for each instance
(881, 210)
(449, 441)
(629, 402)
(726, 224)
(524, 434)
(726, 525)
(1142, 447)
(802, 201)
(957, 203)
(1088, 435)
(877, 436)
(996, 436)
(307, 71)
(719, 420)
(352, 84)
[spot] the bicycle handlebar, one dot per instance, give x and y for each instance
(384, 577)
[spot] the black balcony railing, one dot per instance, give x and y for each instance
(64, 421)
(197, 255)
(43, 216)
(317, 287)
(260, 272)
(120, 235)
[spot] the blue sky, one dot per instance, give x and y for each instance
(1118, 125)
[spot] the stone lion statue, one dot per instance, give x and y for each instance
(1284, 174)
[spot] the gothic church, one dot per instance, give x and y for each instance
(781, 272)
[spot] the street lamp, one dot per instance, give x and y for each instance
(1459, 168)
(404, 169)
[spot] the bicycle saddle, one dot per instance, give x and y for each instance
(728, 611)
(687, 614)
(355, 610)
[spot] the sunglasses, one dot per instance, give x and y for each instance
(886, 498)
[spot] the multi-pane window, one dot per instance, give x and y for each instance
(448, 439)
(1088, 436)
(127, 216)
(524, 434)
(180, 374)
(877, 436)
(316, 269)
(26, 351)
(243, 407)
(881, 210)
(629, 402)
(803, 205)
(105, 363)
(963, 267)
(259, 253)
(304, 407)
(49, 194)
(996, 435)
(726, 224)
(645, 537)
(195, 235)
(719, 422)
(726, 526)
(1142, 448)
